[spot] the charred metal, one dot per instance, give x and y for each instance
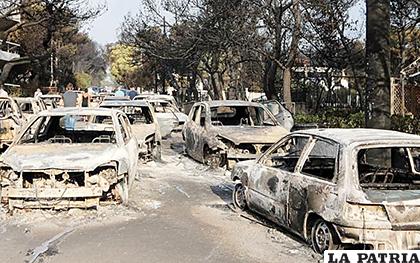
(99, 162)
(338, 187)
(222, 133)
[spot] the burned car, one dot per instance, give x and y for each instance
(51, 101)
(70, 157)
(11, 121)
(167, 98)
(338, 187)
(30, 106)
(169, 117)
(144, 125)
(221, 133)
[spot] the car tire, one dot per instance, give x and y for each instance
(239, 197)
(212, 158)
(323, 237)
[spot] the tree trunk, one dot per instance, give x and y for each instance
(287, 83)
(294, 45)
(378, 85)
(270, 79)
(217, 93)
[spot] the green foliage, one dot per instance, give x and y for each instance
(127, 67)
(408, 124)
(83, 80)
(342, 119)
(333, 119)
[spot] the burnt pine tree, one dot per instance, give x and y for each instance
(378, 88)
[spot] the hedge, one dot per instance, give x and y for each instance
(340, 119)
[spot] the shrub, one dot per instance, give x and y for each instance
(341, 119)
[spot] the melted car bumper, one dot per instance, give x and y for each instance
(52, 197)
(381, 239)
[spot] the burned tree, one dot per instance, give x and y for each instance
(44, 25)
(377, 111)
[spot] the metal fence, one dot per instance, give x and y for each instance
(404, 99)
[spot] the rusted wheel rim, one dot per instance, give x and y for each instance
(322, 237)
(213, 160)
(239, 199)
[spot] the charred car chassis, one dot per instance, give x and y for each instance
(70, 158)
(338, 187)
(221, 133)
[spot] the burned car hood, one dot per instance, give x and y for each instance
(142, 131)
(244, 134)
(84, 157)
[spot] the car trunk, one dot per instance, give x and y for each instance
(402, 207)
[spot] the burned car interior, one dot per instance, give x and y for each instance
(70, 129)
(135, 114)
(321, 161)
(5, 108)
(389, 168)
(286, 156)
(239, 116)
(162, 107)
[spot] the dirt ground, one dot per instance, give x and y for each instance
(179, 211)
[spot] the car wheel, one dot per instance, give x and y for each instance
(122, 190)
(239, 197)
(322, 237)
(212, 158)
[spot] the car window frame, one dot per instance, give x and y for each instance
(193, 112)
(127, 125)
(197, 114)
(203, 110)
(274, 147)
(311, 146)
(27, 127)
(120, 121)
(355, 151)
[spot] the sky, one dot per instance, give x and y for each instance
(104, 29)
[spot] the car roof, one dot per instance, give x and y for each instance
(161, 96)
(79, 111)
(25, 98)
(124, 103)
(219, 103)
(158, 101)
(362, 136)
(50, 96)
(117, 98)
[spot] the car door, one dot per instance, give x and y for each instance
(131, 147)
(282, 115)
(186, 131)
(269, 180)
(193, 132)
(313, 188)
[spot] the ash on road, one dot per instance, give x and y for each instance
(178, 212)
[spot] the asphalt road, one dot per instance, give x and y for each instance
(179, 211)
